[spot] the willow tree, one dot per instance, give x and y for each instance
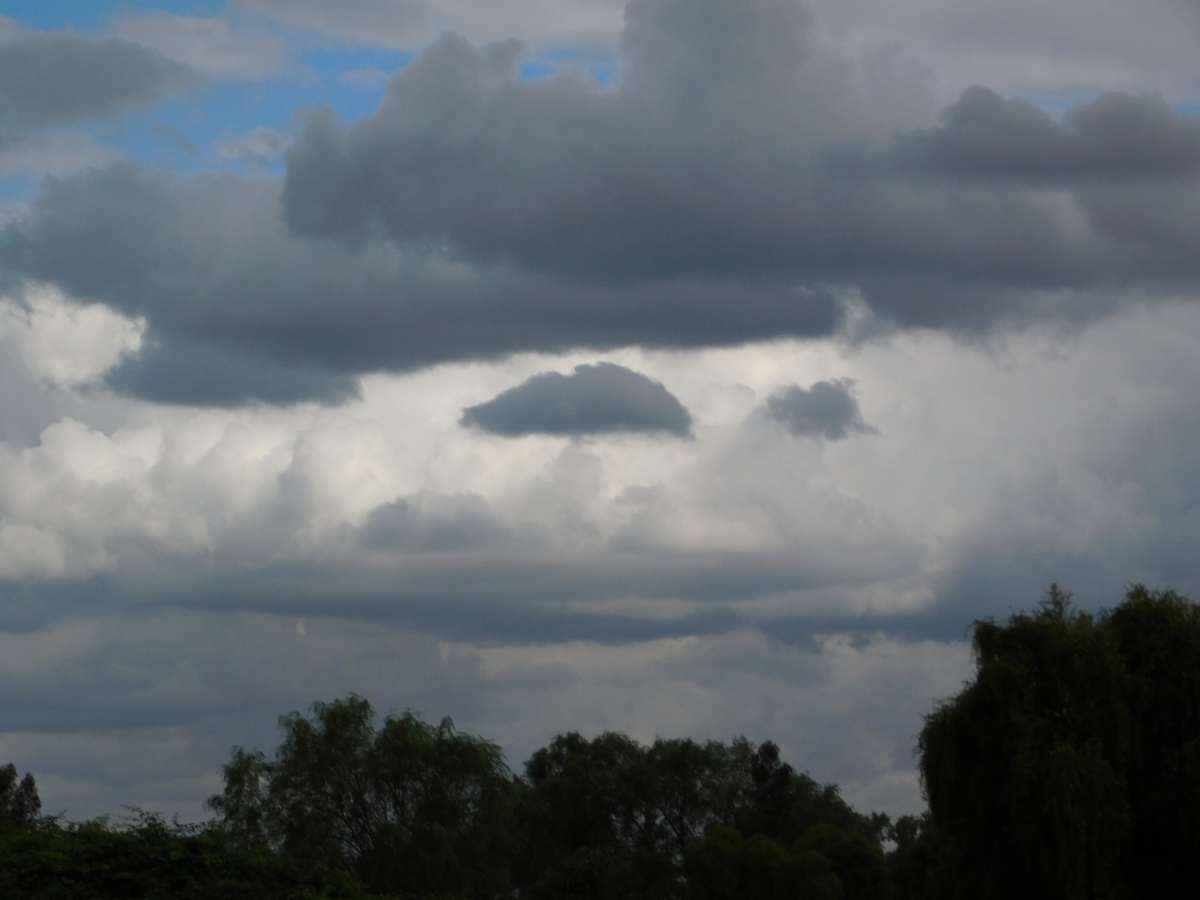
(1068, 768)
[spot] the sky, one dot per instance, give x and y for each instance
(685, 368)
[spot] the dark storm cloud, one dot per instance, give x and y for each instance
(1116, 137)
(212, 374)
(477, 215)
(592, 400)
(827, 409)
(242, 309)
(47, 81)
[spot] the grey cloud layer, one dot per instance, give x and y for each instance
(46, 81)
(592, 400)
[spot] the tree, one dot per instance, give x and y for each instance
(1158, 638)
(645, 806)
(148, 858)
(407, 805)
(1068, 767)
(857, 861)
(725, 866)
(19, 802)
(783, 804)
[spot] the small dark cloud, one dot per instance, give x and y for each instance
(47, 81)
(432, 523)
(827, 409)
(1116, 137)
(593, 400)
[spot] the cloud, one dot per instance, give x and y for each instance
(155, 727)
(827, 409)
(47, 81)
(739, 581)
(405, 23)
(211, 45)
(260, 143)
(63, 342)
(596, 399)
(170, 370)
(1063, 51)
(653, 180)
(216, 276)
(432, 523)
(1116, 137)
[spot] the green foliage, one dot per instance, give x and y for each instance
(151, 860)
(856, 861)
(408, 806)
(1068, 767)
(781, 803)
(19, 801)
(724, 866)
(1158, 638)
(645, 806)
(915, 864)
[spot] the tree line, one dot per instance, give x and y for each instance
(1068, 767)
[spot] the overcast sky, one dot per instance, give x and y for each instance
(691, 367)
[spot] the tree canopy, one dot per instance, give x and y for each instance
(1070, 766)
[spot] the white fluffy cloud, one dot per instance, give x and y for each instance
(66, 343)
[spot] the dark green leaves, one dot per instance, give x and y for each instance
(19, 802)
(408, 806)
(1066, 769)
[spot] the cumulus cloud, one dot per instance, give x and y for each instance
(653, 180)
(1116, 137)
(594, 399)
(62, 341)
(239, 308)
(827, 409)
(51, 80)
